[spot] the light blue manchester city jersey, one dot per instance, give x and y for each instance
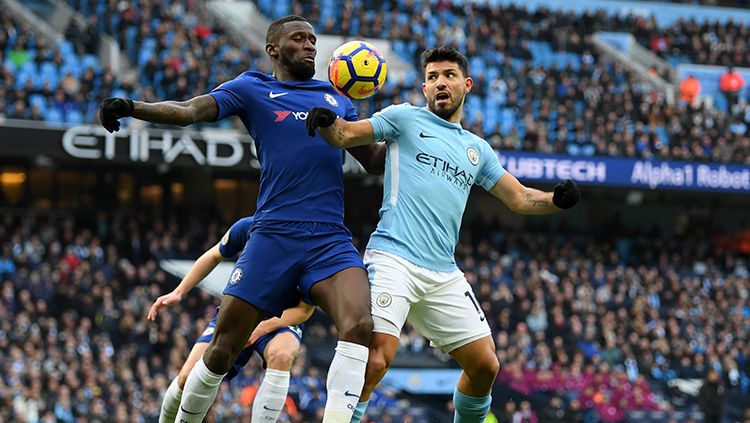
(431, 165)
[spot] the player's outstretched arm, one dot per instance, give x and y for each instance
(338, 132)
(525, 200)
(200, 269)
(290, 317)
(198, 109)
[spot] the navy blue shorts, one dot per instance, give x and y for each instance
(280, 257)
(247, 352)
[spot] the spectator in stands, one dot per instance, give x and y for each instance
(509, 410)
(690, 89)
(711, 398)
(525, 414)
(730, 84)
(554, 412)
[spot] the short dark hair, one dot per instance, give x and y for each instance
(272, 34)
(446, 54)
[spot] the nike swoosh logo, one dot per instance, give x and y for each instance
(423, 135)
(349, 394)
(187, 412)
(272, 95)
(265, 407)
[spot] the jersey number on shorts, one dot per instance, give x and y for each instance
(476, 306)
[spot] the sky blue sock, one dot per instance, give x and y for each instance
(359, 411)
(470, 409)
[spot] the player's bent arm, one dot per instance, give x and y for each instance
(200, 269)
(198, 109)
(371, 157)
(290, 317)
(197, 272)
(522, 199)
(293, 316)
(346, 134)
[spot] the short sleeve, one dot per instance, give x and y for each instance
(491, 170)
(234, 240)
(386, 124)
(229, 97)
(351, 113)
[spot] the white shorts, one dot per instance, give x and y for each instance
(440, 305)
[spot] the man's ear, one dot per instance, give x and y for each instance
(272, 50)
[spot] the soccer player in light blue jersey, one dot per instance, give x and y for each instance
(431, 165)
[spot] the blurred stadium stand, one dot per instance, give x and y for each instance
(541, 85)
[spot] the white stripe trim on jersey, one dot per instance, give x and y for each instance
(393, 151)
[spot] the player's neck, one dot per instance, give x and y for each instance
(457, 115)
(454, 118)
(282, 75)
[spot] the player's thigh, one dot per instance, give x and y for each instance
(195, 354)
(345, 297)
(236, 320)
(450, 317)
(393, 290)
(281, 350)
(334, 276)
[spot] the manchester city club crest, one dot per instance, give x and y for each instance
(384, 300)
(473, 156)
(331, 100)
(236, 276)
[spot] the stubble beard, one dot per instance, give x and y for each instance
(299, 70)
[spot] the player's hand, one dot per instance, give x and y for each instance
(112, 109)
(164, 301)
(264, 328)
(566, 194)
(319, 117)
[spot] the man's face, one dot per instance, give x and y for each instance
(445, 88)
(295, 49)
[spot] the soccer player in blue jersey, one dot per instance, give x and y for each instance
(431, 165)
(277, 340)
(298, 238)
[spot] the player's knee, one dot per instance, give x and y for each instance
(218, 357)
(358, 330)
(377, 365)
(483, 369)
(280, 360)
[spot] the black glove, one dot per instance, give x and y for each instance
(114, 108)
(319, 117)
(566, 194)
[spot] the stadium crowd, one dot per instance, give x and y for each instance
(707, 43)
(539, 84)
(74, 341)
(54, 83)
(177, 49)
(606, 322)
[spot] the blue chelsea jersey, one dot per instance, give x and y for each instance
(301, 177)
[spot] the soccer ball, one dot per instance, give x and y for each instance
(357, 70)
